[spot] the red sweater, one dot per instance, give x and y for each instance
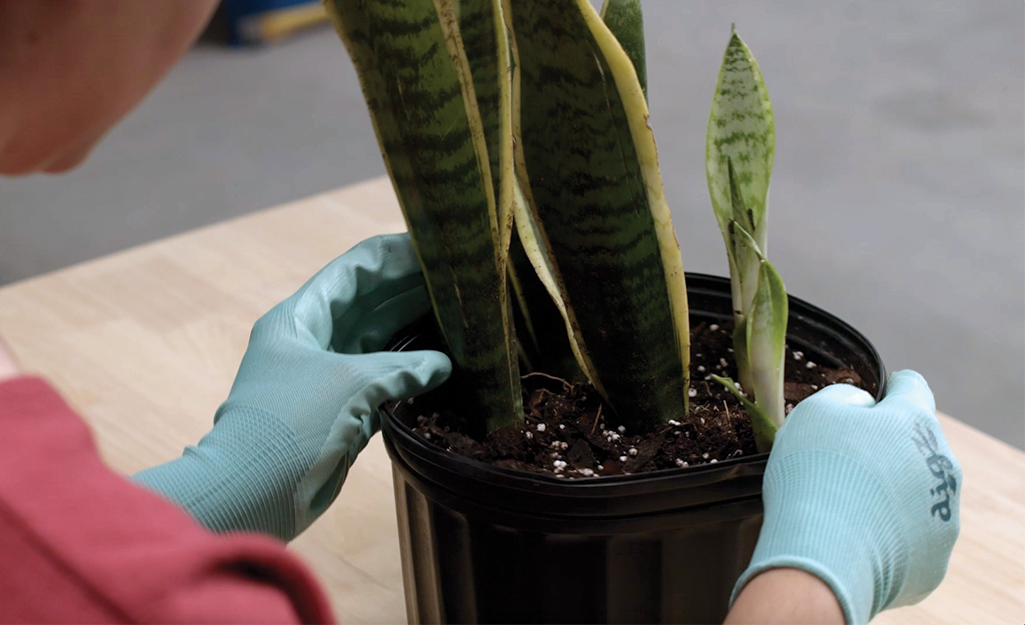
(79, 543)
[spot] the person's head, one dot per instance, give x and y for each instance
(70, 70)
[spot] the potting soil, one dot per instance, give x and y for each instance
(571, 433)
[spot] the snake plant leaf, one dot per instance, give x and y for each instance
(419, 89)
(626, 21)
(486, 44)
(744, 252)
(477, 30)
(740, 353)
(766, 342)
(740, 128)
(762, 426)
(759, 337)
(590, 176)
(526, 224)
(745, 271)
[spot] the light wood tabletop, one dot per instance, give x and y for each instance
(145, 344)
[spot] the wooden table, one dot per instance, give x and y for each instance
(145, 343)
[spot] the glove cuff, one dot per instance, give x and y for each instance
(816, 523)
(241, 477)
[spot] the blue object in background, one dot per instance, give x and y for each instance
(248, 22)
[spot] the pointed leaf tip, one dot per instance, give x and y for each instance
(741, 137)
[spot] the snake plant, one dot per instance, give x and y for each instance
(517, 138)
(739, 150)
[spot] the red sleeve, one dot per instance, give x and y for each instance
(79, 543)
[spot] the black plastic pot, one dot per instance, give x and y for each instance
(485, 544)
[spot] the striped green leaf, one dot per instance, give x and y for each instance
(741, 129)
(738, 161)
(528, 229)
(759, 341)
(766, 342)
(625, 20)
(418, 84)
(745, 270)
(590, 176)
(744, 251)
(486, 44)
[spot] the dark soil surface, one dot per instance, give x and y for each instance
(567, 434)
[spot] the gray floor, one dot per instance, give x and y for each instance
(897, 195)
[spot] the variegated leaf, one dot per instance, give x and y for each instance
(626, 21)
(745, 269)
(766, 342)
(419, 88)
(591, 178)
(740, 128)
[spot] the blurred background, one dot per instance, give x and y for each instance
(898, 193)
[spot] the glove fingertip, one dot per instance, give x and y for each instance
(398, 248)
(400, 375)
(845, 394)
(910, 386)
(434, 368)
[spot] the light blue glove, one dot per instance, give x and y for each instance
(304, 402)
(865, 496)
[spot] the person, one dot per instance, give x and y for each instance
(861, 498)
